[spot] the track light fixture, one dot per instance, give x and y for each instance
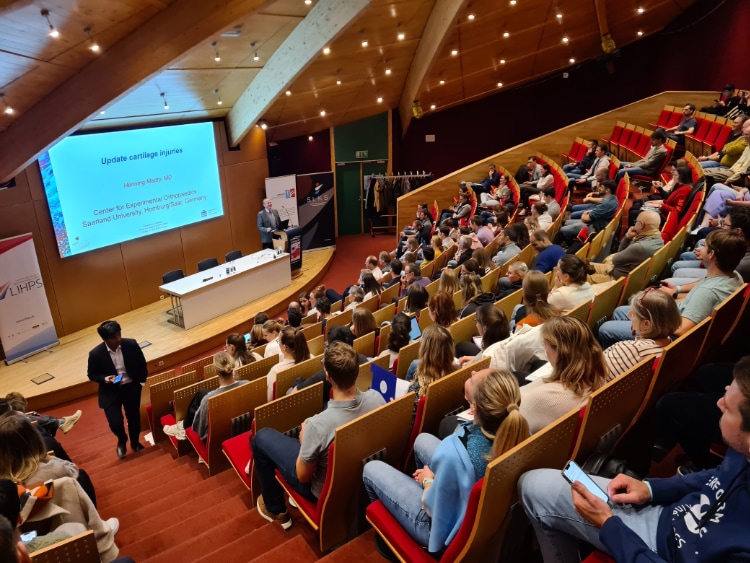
(217, 57)
(164, 97)
(218, 97)
(52, 29)
(93, 45)
(7, 109)
(262, 124)
(255, 52)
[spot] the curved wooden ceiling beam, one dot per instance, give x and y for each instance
(323, 24)
(122, 68)
(441, 19)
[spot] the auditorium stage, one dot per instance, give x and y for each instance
(170, 345)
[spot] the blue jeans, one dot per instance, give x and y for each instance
(618, 329)
(400, 493)
(684, 276)
(273, 450)
(570, 229)
(632, 171)
(579, 209)
(547, 500)
(706, 164)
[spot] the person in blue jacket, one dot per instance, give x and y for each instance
(698, 517)
(430, 505)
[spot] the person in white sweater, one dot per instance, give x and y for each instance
(571, 285)
(578, 369)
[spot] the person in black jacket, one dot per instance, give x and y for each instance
(119, 367)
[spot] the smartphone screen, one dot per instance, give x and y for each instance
(118, 378)
(573, 473)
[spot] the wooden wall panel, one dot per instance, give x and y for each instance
(210, 239)
(146, 259)
(246, 189)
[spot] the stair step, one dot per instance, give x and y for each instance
(294, 550)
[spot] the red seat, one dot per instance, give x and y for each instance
(664, 116)
(409, 550)
(721, 139)
(667, 160)
(575, 151)
(701, 130)
(415, 428)
(311, 509)
(614, 137)
(239, 452)
(634, 141)
(674, 119)
(198, 444)
(169, 420)
(643, 146)
(599, 557)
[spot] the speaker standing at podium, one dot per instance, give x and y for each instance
(268, 222)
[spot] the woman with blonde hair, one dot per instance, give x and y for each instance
(436, 355)
(441, 309)
(578, 369)
(224, 365)
(271, 330)
(536, 308)
(437, 246)
(431, 504)
(237, 348)
(294, 350)
(449, 281)
(256, 336)
(654, 317)
(571, 283)
(363, 322)
(473, 295)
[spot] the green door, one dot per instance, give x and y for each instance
(348, 198)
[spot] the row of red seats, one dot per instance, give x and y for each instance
(711, 131)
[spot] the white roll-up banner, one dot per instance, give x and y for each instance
(282, 191)
(26, 325)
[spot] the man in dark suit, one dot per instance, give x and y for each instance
(268, 222)
(119, 367)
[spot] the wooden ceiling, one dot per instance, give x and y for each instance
(148, 47)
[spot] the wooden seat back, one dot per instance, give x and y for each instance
(385, 333)
(406, 356)
(162, 395)
(723, 318)
(370, 304)
(198, 365)
(365, 345)
(312, 330)
(81, 549)
(182, 399)
(256, 369)
(464, 329)
(385, 314)
(316, 345)
(489, 281)
(285, 378)
(635, 282)
(342, 319)
(508, 303)
(389, 293)
(581, 312)
(604, 304)
(364, 379)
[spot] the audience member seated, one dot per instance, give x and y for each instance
(256, 336)
(436, 359)
(732, 149)
(513, 281)
(508, 248)
(304, 303)
(473, 295)
(733, 174)
(293, 351)
(224, 366)
(303, 461)
(316, 294)
(24, 460)
(490, 181)
(685, 127)
(370, 285)
(463, 253)
(590, 199)
(654, 317)
(553, 206)
(416, 300)
(672, 197)
(578, 369)
(729, 101)
(492, 327)
(396, 269)
(371, 264)
(441, 309)
(595, 219)
(578, 169)
(724, 250)
(641, 241)
(571, 284)
(355, 297)
(720, 200)
(649, 165)
(324, 310)
(363, 322)
(531, 224)
(271, 331)
(444, 232)
(471, 266)
(484, 261)
(501, 196)
(698, 517)
(430, 504)
(412, 276)
(590, 179)
(536, 186)
(398, 338)
(293, 317)
(449, 281)
(50, 424)
(523, 349)
(462, 211)
(384, 262)
(237, 348)
(548, 254)
(540, 213)
(482, 231)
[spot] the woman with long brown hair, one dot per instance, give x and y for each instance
(294, 350)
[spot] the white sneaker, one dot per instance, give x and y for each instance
(175, 430)
(114, 525)
(292, 503)
(70, 421)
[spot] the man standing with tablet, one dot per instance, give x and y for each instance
(119, 367)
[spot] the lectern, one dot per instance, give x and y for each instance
(290, 240)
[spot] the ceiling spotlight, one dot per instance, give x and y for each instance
(380, 99)
(433, 106)
(506, 35)
(442, 82)
(308, 2)
(565, 39)
(572, 60)
(454, 52)
(262, 124)
(401, 36)
(502, 61)
(640, 10)
(338, 82)
(94, 46)
(365, 43)
(164, 97)
(326, 50)
(640, 34)
(52, 30)
(388, 71)
(288, 92)
(102, 112)
(471, 17)
(8, 110)
(255, 52)
(559, 16)
(322, 113)
(218, 97)
(217, 58)
(512, 2)
(499, 84)
(310, 138)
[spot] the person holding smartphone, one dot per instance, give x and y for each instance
(119, 367)
(692, 518)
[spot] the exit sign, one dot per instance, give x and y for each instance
(360, 154)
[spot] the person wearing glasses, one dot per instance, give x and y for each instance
(723, 252)
(654, 317)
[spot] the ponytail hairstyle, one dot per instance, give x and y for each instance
(256, 336)
(273, 327)
(241, 352)
(576, 268)
(224, 364)
(535, 292)
(492, 319)
(496, 401)
(294, 339)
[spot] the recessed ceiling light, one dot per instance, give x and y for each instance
(499, 84)
(322, 113)
(640, 10)
(288, 92)
(640, 34)
(512, 2)
(471, 17)
(380, 99)
(502, 61)
(565, 39)
(365, 43)
(338, 82)
(310, 138)
(442, 82)
(401, 36)
(326, 50)
(308, 2)
(388, 71)
(506, 35)
(433, 106)
(454, 52)
(571, 60)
